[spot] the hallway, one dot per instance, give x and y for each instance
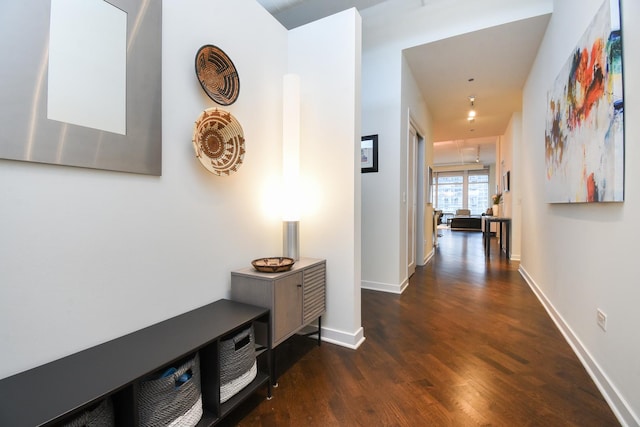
(466, 344)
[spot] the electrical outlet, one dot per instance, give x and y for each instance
(602, 319)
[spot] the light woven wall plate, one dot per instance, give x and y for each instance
(218, 141)
(217, 75)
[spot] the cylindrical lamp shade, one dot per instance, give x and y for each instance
(291, 147)
(291, 239)
(291, 166)
(291, 127)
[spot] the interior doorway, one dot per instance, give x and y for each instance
(415, 200)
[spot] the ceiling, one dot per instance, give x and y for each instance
(293, 13)
(491, 64)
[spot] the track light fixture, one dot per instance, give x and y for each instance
(472, 112)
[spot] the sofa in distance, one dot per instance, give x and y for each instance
(463, 220)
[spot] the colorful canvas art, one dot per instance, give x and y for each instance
(584, 135)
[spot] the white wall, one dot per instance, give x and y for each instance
(381, 191)
(385, 217)
(389, 28)
(326, 54)
(580, 257)
(89, 255)
(509, 156)
(415, 112)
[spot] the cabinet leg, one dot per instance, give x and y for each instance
(274, 370)
(318, 332)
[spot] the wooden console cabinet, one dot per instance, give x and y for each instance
(296, 297)
(55, 393)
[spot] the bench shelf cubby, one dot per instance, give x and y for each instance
(57, 392)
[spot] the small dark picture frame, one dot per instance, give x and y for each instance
(369, 153)
(506, 181)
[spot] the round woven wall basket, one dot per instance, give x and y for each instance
(218, 141)
(217, 75)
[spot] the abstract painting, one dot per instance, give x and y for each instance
(584, 132)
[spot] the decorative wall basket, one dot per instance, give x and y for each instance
(218, 141)
(217, 75)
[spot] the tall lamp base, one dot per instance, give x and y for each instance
(290, 239)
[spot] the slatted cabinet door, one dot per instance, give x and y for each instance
(314, 292)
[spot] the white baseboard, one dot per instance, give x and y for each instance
(343, 339)
(384, 287)
(428, 257)
(392, 288)
(616, 401)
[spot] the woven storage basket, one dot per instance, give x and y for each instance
(100, 416)
(167, 401)
(230, 389)
(237, 363)
(191, 418)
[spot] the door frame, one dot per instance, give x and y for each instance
(412, 199)
(419, 162)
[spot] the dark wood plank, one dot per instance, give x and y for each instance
(467, 344)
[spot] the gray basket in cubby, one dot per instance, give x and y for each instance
(100, 416)
(238, 366)
(172, 398)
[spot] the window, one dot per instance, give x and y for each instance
(449, 191)
(478, 194)
(462, 190)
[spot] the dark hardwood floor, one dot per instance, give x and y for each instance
(466, 344)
